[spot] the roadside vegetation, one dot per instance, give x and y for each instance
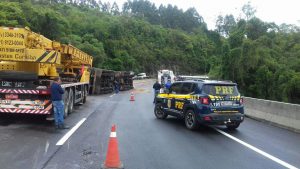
(263, 58)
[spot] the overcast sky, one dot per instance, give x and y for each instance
(278, 11)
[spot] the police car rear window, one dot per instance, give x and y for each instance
(219, 89)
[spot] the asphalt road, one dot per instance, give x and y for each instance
(144, 141)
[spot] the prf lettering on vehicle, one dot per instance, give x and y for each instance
(179, 105)
(224, 90)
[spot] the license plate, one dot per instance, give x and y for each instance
(11, 96)
(19, 84)
(6, 84)
(5, 101)
(223, 103)
(226, 103)
(38, 107)
(12, 84)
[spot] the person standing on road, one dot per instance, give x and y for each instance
(116, 85)
(168, 85)
(156, 88)
(58, 104)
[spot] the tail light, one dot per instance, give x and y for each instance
(204, 100)
(241, 101)
(207, 118)
(44, 92)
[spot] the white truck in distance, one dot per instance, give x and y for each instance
(164, 75)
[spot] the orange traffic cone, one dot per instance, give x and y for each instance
(112, 157)
(131, 97)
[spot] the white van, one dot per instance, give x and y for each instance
(164, 76)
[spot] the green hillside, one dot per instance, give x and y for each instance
(263, 58)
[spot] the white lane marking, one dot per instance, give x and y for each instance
(112, 95)
(68, 135)
(277, 160)
(46, 146)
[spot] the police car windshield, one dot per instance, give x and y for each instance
(220, 90)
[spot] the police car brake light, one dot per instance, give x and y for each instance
(207, 118)
(204, 100)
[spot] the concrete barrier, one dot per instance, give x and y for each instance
(283, 114)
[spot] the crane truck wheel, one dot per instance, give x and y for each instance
(66, 103)
(17, 75)
(71, 101)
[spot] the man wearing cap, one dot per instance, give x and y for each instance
(58, 104)
(156, 87)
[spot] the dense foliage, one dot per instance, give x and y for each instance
(263, 58)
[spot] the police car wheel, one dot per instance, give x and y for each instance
(159, 113)
(232, 126)
(190, 120)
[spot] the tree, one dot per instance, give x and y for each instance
(226, 64)
(53, 25)
(264, 81)
(106, 7)
(248, 11)
(11, 14)
(219, 24)
(256, 28)
(225, 25)
(115, 9)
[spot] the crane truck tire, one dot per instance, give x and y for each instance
(85, 93)
(17, 75)
(66, 103)
(71, 101)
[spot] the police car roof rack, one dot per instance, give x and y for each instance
(225, 81)
(213, 80)
(202, 80)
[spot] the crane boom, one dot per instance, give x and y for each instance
(24, 50)
(21, 44)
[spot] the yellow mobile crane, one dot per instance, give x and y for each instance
(29, 62)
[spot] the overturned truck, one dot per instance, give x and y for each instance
(124, 79)
(101, 80)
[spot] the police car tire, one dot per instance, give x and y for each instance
(17, 75)
(191, 124)
(162, 114)
(232, 126)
